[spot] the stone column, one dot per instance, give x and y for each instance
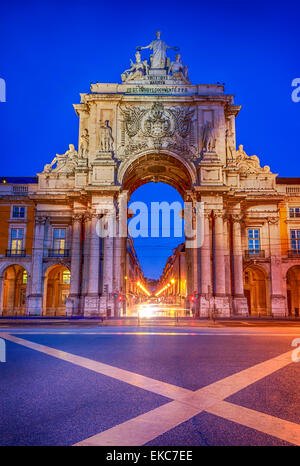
(86, 254)
(73, 300)
(35, 305)
(277, 283)
(221, 301)
(240, 305)
(108, 273)
(91, 302)
(219, 255)
(205, 266)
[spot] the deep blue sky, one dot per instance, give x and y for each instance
(51, 51)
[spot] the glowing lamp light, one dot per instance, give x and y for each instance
(143, 288)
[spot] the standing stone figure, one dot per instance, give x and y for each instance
(84, 144)
(229, 138)
(106, 138)
(208, 139)
(159, 48)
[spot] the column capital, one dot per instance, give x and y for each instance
(273, 220)
(77, 217)
(40, 220)
(219, 213)
(207, 214)
(237, 218)
(87, 217)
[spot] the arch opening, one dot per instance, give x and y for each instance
(256, 290)
(14, 291)
(156, 168)
(56, 290)
(293, 290)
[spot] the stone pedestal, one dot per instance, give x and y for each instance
(240, 305)
(203, 306)
(278, 306)
(222, 306)
(35, 304)
(103, 169)
(72, 305)
(91, 305)
(210, 170)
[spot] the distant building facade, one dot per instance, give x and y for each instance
(155, 126)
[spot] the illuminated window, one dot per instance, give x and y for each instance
(294, 212)
(24, 277)
(59, 240)
(253, 241)
(18, 212)
(66, 277)
(295, 240)
(16, 243)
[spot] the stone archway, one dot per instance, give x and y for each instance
(152, 167)
(56, 290)
(163, 167)
(293, 290)
(256, 290)
(14, 290)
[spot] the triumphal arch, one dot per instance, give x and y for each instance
(156, 126)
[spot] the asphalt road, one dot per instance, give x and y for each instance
(62, 386)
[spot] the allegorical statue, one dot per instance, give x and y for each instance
(159, 51)
(177, 68)
(106, 138)
(84, 144)
(65, 163)
(137, 69)
(208, 138)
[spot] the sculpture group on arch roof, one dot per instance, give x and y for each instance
(158, 61)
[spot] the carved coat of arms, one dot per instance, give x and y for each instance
(156, 126)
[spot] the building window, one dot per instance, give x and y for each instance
(16, 242)
(295, 240)
(294, 212)
(18, 212)
(253, 241)
(66, 277)
(59, 240)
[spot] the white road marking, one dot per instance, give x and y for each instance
(140, 381)
(271, 425)
(186, 404)
(200, 400)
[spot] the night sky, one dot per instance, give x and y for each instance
(52, 51)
